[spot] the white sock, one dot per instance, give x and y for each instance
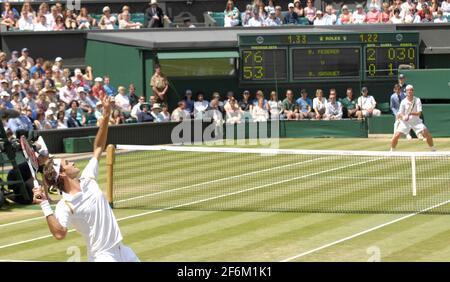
(392, 149)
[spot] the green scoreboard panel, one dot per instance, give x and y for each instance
(312, 57)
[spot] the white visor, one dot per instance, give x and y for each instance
(57, 168)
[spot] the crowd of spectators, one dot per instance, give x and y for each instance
(267, 13)
(257, 13)
(56, 17)
(50, 96)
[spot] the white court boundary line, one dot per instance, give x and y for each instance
(362, 232)
(200, 201)
(181, 188)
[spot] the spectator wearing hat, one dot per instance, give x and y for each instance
(291, 17)
(26, 57)
(16, 88)
(98, 113)
(272, 20)
(373, 15)
(107, 21)
(97, 90)
(159, 84)
(122, 100)
(366, 104)
(180, 114)
(83, 101)
(70, 21)
(78, 78)
(126, 23)
(156, 113)
(5, 100)
(84, 21)
(231, 14)
(49, 122)
(4, 85)
(144, 115)
(359, 16)
(320, 19)
(310, 11)
(154, 15)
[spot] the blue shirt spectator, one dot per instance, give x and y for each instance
(109, 89)
(20, 123)
(396, 99)
(304, 103)
(291, 17)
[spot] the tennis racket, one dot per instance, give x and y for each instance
(31, 158)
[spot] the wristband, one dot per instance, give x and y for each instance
(46, 208)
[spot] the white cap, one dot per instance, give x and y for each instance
(3, 81)
(81, 89)
(52, 105)
(58, 59)
(55, 68)
(4, 94)
(99, 103)
(409, 86)
(77, 71)
(15, 82)
(291, 5)
(49, 113)
(106, 8)
(98, 79)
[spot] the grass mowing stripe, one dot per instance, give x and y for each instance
(363, 232)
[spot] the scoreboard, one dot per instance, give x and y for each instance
(311, 57)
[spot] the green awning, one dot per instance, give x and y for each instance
(198, 55)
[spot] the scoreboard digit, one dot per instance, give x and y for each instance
(263, 64)
(384, 61)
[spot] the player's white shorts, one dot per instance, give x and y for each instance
(406, 126)
(118, 253)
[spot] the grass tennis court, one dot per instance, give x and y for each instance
(199, 232)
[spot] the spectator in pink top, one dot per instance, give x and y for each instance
(385, 15)
(345, 17)
(373, 16)
(310, 11)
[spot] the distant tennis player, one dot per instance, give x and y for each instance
(83, 204)
(408, 117)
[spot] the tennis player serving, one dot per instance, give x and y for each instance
(83, 204)
(408, 118)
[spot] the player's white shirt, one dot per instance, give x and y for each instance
(89, 213)
(407, 107)
(366, 103)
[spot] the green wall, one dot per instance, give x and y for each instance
(124, 64)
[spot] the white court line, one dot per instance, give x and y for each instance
(389, 178)
(201, 201)
(177, 189)
(217, 180)
(363, 232)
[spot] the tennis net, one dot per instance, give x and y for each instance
(243, 179)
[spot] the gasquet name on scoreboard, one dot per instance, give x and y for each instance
(29, 152)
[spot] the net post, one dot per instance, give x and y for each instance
(413, 175)
(110, 154)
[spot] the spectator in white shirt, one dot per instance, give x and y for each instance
(319, 104)
(255, 21)
(260, 112)
(330, 15)
(137, 108)
(126, 23)
(42, 25)
(359, 16)
(404, 8)
(26, 21)
(122, 100)
(445, 7)
(440, 17)
(333, 108)
(68, 92)
(320, 19)
(200, 106)
(273, 20)
(366, 103)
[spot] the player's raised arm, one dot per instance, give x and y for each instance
(102, 134)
